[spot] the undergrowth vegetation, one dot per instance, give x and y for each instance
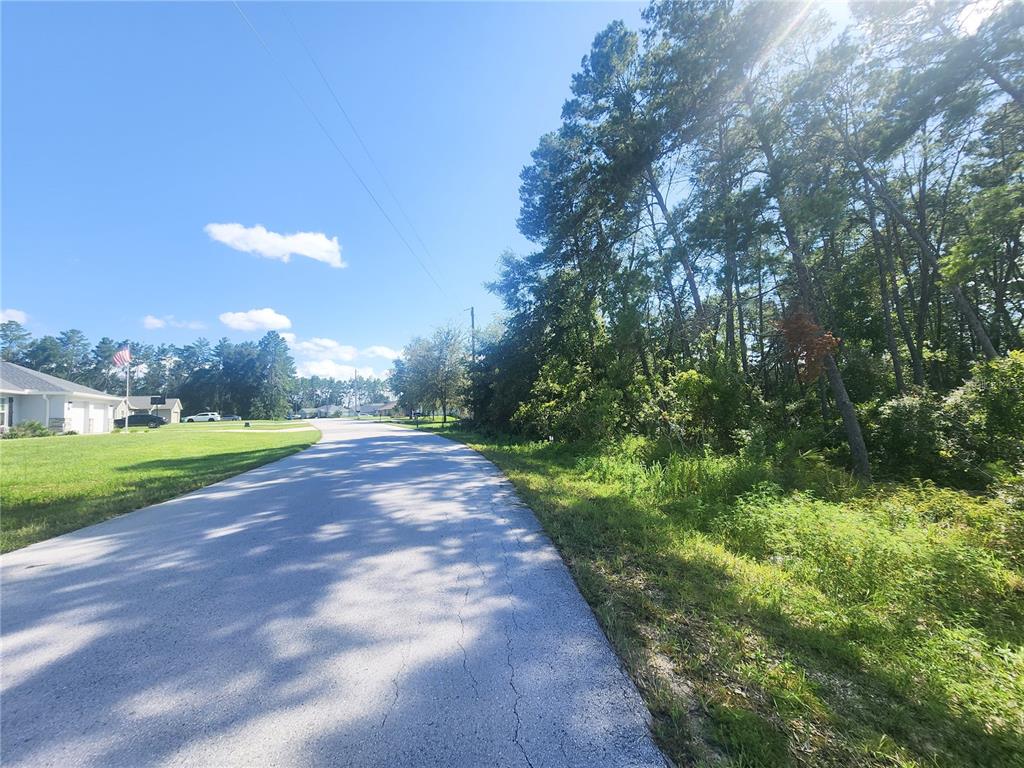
(778, 612)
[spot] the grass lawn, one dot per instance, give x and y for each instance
(254, 424)
(766, 626)
(52, 485)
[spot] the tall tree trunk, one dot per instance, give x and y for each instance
(923, 301)
(730, 320)
(1004, 83)
(666, 276)
(932, 258)
(883, 290)
(890, 335)
(762, 363)
(725, 184)
(854, 435)
(741, 327)
(826, 417)
(645, 366)
(851, 424)
(916, 364)
(677, 238)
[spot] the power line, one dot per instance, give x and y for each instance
(337, 148)
(359, 138)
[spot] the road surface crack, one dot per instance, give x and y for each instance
(395, 681)
(508, 646)
(462, 621)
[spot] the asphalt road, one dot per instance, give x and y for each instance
(380, 599)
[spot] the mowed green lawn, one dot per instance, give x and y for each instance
(52, 485)
(232, 425)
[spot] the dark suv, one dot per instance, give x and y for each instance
(142, 420)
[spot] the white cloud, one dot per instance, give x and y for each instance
(325, 348)
(321, 356)
(332, 370)
(13, 315)
(273, 245)
(264, 319)
(379, 350)
(152, 322)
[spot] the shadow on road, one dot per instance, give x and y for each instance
(376, 599)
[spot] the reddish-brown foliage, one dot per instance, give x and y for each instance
(808, 343)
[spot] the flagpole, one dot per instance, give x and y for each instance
(127, 387)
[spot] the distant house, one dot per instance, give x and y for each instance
(378, 409)
(171, 410)
(60, 405)
(329, 411)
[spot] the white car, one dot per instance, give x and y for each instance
(205, 416)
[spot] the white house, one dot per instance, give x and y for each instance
(60, 405)
(378, 409)
(170, 410)
(328, 411)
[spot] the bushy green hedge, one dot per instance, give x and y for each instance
(566, 404)
(27, 429)
(973, 436)
(986, 415)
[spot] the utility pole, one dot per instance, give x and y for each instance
(472, 334)
(472, 346)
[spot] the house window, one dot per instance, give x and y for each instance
(3, 413)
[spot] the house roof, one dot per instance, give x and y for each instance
(377, 406)
(19, 380)
(141, 403)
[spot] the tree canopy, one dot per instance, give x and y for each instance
(750, 220)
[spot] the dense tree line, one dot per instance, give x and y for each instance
(748, 221)
(318, 391)
(252, 379)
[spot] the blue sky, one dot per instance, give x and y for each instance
(129, 129)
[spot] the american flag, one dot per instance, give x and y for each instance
(122, 357)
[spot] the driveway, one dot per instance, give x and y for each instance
(380, 599)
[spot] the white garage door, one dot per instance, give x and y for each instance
(99, 418)
(77, 418)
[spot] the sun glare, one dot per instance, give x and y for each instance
(972, 16)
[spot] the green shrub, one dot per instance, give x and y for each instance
(907, 436)
(27, 429)
(566, 404)
(708, 407)
(973, 436)
(986, 415)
